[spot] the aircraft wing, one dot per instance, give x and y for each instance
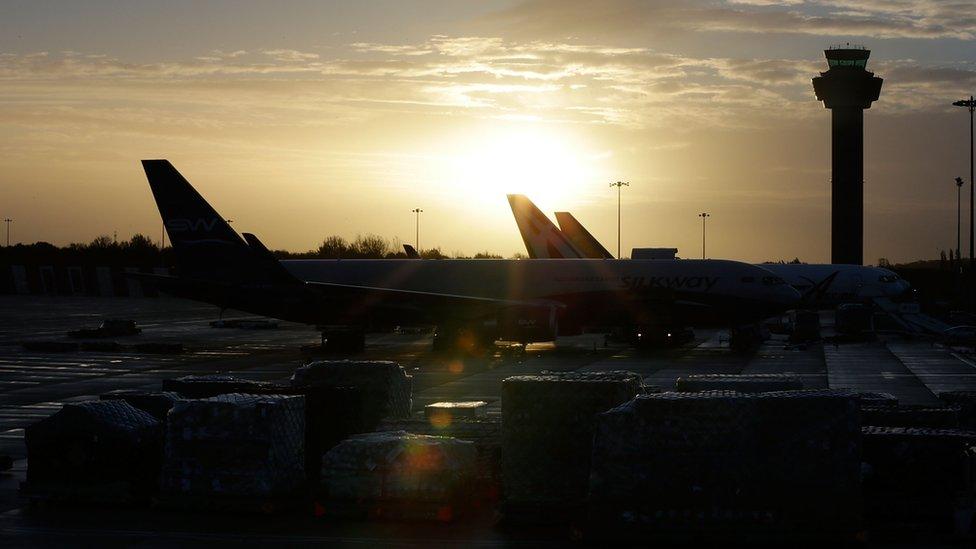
(457, 305)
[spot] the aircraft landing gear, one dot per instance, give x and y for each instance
(465, 340)
(339, 339)
(747, 338)
(660, 337)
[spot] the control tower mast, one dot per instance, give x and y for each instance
(847, 88)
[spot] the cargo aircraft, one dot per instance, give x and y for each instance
(479, 300)
(821, 285)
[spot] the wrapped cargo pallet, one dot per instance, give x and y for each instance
(547, 434)
(866, 398)
(331, 415)
(809, 459)
(743, 383)
(212, 385)
(917, 474)
(385, 387)
(398, 475)
(930, 417)
(966, 402)
(103, 451)
(234, 446)
(721, 465)
(484, 432)
(155, 403)
(446, 412)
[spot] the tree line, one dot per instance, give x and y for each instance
(142, 250)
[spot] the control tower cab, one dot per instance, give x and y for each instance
(847, 88)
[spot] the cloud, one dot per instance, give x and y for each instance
(566, 82)
(926, 19)
(290, 55)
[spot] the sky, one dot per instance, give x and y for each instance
(303, 119)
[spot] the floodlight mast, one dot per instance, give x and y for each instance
(619, 184)
(970, 104)
(703, 216)
(418, 211)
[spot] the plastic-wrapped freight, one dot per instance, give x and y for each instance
(212, 385)
(331, 415)
(931, 417)
(917, 474)
(235, 445)
(398, 475)
(446, 412)
(744, 383)
(385, 387)
(717, 463)
(547, 435)
(98, 451)
(155, 403)
(966, 401)
(810, 444)
(484, 432)
(866, 398)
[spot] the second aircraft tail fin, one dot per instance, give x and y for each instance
(585, 242)
(542, 238)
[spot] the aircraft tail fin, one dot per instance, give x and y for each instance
(585, 242)
(411, 252)
(543, 240)
(206, 247)
(818, 290)
(188, 218)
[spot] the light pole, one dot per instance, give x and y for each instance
(418, 211)
(703, 215)
(8, 221)
(619, 184)
(971, 105)
(959, 184)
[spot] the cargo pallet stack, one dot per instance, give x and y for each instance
(547, 433)
(235, 452)
(921, 481)
(486, 435)
(101, 451)
(719, 465)
(395, 475)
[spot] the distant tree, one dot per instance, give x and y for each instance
(333, 247)
(102, 242)
(370, 246)
(486, 255)
(432, 253)
(396, 250)
(519, 255)
(796, 261)
(141, 243)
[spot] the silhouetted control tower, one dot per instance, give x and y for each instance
(847, 88)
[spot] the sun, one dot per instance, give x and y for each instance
(548, 167)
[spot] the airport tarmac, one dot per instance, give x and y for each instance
(36, 384)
